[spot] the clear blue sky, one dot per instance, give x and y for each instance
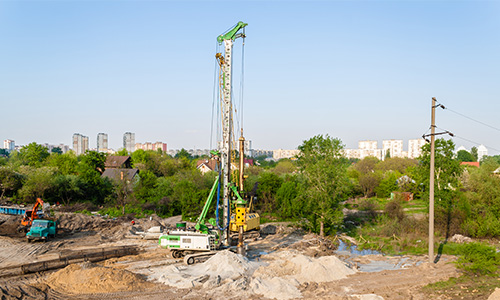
(352, 69)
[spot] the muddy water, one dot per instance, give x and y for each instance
(371, 260)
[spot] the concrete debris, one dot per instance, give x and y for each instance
(460, 239)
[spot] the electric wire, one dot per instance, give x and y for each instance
(472, 119)
(242, 78)
(214, 96)
(468, 140)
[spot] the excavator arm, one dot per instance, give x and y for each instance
(200, 223)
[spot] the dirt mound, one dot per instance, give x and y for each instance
(71, 222)
(21, 291)
(87, 278)
(315, 246)
(144, 224)
(77, 207)
(9, 225)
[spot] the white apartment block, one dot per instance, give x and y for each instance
(152, 146)
(393, 147)
(260, 152)
(481, 151)
(280, 153)
(9, 145)
(415, 147)
(236, 146)
(80, 143)
(367, 145)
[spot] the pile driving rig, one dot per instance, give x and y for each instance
(201, 243)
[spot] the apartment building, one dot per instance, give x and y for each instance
(102, 142)
(9, 145)
(151, 146)
(80, 143)
(392, 147)
(415, 147)
(129, 141)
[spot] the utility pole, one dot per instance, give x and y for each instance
(431, 183)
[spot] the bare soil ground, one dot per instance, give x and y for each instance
(130, 277)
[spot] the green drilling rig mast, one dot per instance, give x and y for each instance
(225, 61)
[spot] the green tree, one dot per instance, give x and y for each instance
(289, 202)
(369, 182)
(144, 191)
(388, 184)
(4, 152)
(37, 182)
(474, 153)
(183, 153)
(68, 188)
(447, 180)
(366, 165)
(66, 163)
(56, 150)
(464, 155)
(33, 154)
(323, 166)
(90, 167)
(398, 164)
(122, 152)
(269, 183)
(10, 181)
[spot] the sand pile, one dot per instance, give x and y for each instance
(277, 275)
(87, 278)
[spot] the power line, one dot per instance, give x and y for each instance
(472, 119)
(470, 141)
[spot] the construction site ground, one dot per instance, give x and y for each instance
(284, 263)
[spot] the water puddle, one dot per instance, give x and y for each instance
(352, 250)
(360, 259)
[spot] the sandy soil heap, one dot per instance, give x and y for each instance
(88, 278)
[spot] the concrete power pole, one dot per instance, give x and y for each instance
(431, 183)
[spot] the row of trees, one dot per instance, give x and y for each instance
(309, 189)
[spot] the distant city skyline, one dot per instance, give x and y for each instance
(355, 70)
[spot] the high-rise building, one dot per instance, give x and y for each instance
(415, 147)
(9, 145)
(102, 142)
(80, 143)
(393, 147)
(129, 141)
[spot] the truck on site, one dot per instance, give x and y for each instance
(32, 214)
(202, 242)
(42, 230)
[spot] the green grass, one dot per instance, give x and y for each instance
(468, 287)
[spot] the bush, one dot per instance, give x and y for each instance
(369, 206)
(478, 258)
(394, 210)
